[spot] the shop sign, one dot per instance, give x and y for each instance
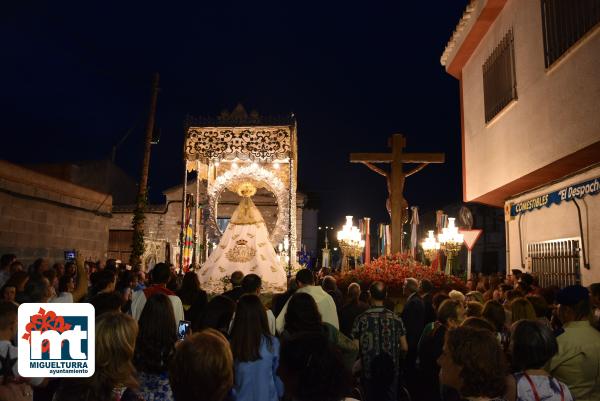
(591, 187)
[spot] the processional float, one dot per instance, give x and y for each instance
(226, 152)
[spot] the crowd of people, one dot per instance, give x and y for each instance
(503, 339)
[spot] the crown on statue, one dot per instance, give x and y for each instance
(241, 242)
(246, 189)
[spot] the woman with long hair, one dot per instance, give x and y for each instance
(255, 353)
(494, 313)
(193, 298)
(217, 315)
(302, 315)
(312, 369)
(521, 308)
(115, 375)
(155, 347)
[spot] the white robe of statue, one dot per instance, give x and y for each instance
(244, 246)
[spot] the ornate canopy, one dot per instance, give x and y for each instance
(239, 146)
(215, 144)
(239, 135)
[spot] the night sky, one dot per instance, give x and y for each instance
(76, 77)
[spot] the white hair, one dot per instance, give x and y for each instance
(457, 296)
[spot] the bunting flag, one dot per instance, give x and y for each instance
(414, 223)
(188, 240)
(381, 235)
(439, 220)
(366, 231)
(385, 246)
(388, 244)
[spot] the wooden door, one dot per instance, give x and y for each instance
(119, 244)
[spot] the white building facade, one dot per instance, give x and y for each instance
(529, 73)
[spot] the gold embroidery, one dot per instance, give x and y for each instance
(221, 269)
(262, 244)
(250, 235)
(263, 257)
(235, 236)
(241, 252)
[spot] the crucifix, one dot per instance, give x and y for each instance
(396, 204)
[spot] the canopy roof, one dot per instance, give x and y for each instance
(239, 135)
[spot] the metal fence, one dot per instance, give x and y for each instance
(555, 262)
(499, 77)
(564, 22)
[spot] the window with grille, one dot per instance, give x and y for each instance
(499, 78)
(564, 22)
(555, 262)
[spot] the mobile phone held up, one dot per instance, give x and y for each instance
(70, 256)
(184, 329)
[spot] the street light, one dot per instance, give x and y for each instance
(351, 242)
(451, 241)
(430, 246)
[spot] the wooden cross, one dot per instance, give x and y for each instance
(397, 205)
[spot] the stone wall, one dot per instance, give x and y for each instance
(160, 224)
(42, 216)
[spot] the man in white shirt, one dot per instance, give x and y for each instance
(160, 276)
(325, 303)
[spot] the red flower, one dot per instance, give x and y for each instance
(394, 269)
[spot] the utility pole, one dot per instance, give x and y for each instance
(137, 223)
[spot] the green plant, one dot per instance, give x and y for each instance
(137, 223)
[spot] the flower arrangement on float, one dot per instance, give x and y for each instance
(393, 270)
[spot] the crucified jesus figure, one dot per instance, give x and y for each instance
(396, 205)
(400, 183)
